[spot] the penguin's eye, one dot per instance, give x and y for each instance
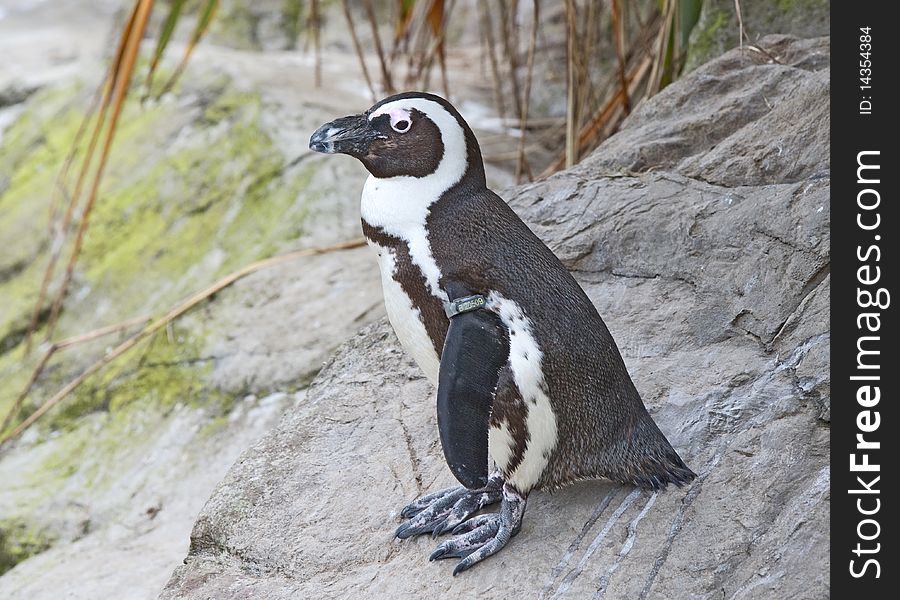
(401, 126)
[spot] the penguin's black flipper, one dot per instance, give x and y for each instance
(475, 349)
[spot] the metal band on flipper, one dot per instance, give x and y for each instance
(464, 305)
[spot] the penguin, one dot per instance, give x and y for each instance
(529, 379)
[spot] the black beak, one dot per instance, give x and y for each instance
(348, 135)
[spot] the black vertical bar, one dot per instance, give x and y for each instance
(864, 426)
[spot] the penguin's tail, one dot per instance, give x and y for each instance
(658, 475)
(652, 462)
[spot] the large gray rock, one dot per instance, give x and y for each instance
(706, 249)
(771, 131)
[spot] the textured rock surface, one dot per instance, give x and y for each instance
(701, 232)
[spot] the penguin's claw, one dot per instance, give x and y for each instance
(467, 506)
(442, 511)
(491, 547)
(484, 535)
(431, 516)
(473, 523)
(460, 546)
(420, 504)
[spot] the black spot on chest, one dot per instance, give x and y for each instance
(414, 285)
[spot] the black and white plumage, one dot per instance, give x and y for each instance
(533, 382)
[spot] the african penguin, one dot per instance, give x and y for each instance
(528, 376)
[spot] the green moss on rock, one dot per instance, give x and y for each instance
(159, 376)
(18, 542)
(236, 25)
(259, 24)
(291, 16)
(209, 206)
(190, 194)
(34, 148)
(705, 40)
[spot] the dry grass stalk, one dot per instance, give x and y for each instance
(436, 18)
(61, 345)
(487, 30)
(610, 115)
(429, 26)
(442, 55)
(104, 112)
(165, 34)
(356, 46)
(314, 23)
(122, 81)
(386, 81)
(53, 224)
(60, 229)
(522, 165)
(769, 56)
(200, 29)
(619, 35)
(402, 21)
(571, 85)
(663, 48)
(740, 19)
(508, 29)
(589, 96)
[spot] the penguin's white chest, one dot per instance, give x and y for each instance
(399, 208)
(405, 318)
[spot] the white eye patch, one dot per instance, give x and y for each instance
(400, 119)
(402, 125)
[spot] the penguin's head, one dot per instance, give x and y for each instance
(408, 135)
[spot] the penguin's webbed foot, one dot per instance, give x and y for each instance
(484, 535)
(442, 511)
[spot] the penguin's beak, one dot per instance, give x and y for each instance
(348, 135)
